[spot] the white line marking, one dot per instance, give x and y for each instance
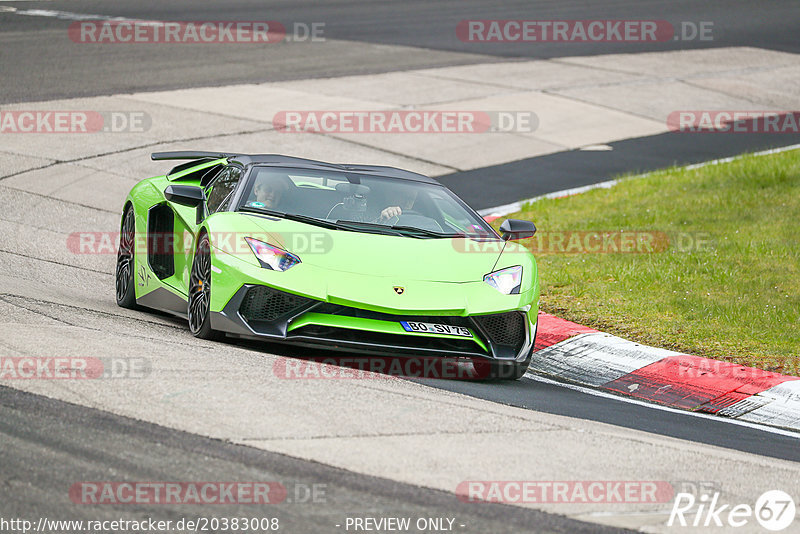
(596, 148)
(68, 15)
(64, 15)
(731, 158)
(505, 209)
(605, 395)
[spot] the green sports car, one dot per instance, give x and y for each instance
(360, 258)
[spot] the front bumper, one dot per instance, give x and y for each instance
(316, 307)
(258, 311)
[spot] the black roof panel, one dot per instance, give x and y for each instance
(291, 161)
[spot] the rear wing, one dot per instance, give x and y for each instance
(201, 166)
(188, 154)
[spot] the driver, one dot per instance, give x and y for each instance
(269, 190)
(405, 198)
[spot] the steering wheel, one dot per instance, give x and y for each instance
(416, 219)
(391, 221)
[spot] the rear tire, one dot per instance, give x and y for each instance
(124, 278)
(199, 305)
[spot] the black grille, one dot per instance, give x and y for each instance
(336, 309)
(380, 339)
(263, 303)
(504, 328)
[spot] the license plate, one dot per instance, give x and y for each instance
(434, 328)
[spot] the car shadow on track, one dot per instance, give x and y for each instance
(531, 394)
(320, 363)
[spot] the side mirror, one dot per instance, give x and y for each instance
(188, 195)
(517, 229)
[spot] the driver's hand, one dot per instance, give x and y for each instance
(391, 211)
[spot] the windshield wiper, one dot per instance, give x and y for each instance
(293, 217)
(411, 231)
(359, 226)
(424, 231)
(265, 211)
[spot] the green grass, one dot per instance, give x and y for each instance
(736, 298)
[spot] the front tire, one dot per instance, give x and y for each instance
(514, 370)
(509, 370)
(124, 278)
(496, 370)
(199, 305)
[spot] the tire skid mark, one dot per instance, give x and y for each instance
(55, 262)
(56, 199)
(9, 298)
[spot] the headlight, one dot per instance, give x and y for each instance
(272, 257)
(506, 281)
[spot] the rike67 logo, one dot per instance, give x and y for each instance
(774, 510)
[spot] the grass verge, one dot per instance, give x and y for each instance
(713, 266)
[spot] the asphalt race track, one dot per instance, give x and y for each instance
(319, 496)
(419, 24)
(214, 411)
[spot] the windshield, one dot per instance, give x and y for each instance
(361, 202)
